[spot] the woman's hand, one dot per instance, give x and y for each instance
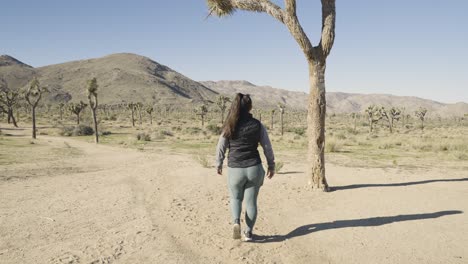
(270, 174)
(220, 171)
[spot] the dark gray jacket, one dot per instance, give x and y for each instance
(243, 145)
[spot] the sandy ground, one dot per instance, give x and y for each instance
(115, 205)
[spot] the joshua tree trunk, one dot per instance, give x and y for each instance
(78, 119)
(96, 139)
(354, 128)
(390, 124)
(151, 118)
(272, 113)
(34, 122)
(282, 125)
(11, 118)
(260, 117)
(316, 126)
(133, 118)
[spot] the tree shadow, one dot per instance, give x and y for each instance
(373, 221)
(356, 186)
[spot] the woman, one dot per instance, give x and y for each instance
(241, 134)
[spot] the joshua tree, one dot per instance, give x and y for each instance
(272, 115)
(93, 104)
(8, 101)
(139, 107)
(202, 110)
(421, 114)
(391, 115)
(221, 102)
(355, 116)
(316, 58)
(132, 107)
(373, 115)
(149, 109)
(60, 106)
(33, 96)
(281, 109)
(77, 108)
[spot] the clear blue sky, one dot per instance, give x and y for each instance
(415, 47)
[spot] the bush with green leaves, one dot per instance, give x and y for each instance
(142, 136)
(213, 128)
(80, 130)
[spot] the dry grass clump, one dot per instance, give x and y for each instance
(332, 145)
(143, 136)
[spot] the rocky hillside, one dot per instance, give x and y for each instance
(122, 77)
(126, 77)
(337, 102)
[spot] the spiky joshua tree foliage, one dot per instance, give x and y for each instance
(373, 116)
(93, 104)
(8, 101)
(202, 110)
(76, 109)
(149, 110)
(33, 96)
(421, 114)
(316, 57)
(222, 102)
(391, 115)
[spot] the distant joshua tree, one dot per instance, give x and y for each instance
(421, 114)
(373, 116)
(391, 115)
(76, 109)
(132, 108)
(8, 101)
(281, 109)
(202, 110)
(316, 58)
(272, 116)
(33, 96)
(150, 109)
(139, 108)
(60, 107)
(355, 116)
(93, 104)
(221, 102)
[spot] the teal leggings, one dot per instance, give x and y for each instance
(245, 183)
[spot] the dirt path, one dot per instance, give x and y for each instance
(115, 205)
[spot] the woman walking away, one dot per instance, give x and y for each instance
(241, 134)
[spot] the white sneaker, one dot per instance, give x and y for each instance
(236, 231)
(247, 236)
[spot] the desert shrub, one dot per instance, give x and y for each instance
(67, 131)
(203, 160)
(166, 133)
(351, 131)
(213, 128)
(332, 146)
(193, 130)
(340, 136)
(278, 166)
(105, 133)
(461, 156)
(300, 131)
(83, 130)
(142, 136)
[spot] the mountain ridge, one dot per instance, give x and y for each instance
(128, 77)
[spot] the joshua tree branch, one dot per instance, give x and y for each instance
(328, 27)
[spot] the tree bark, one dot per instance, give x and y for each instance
(133, 118)
(78, 118)
(34, 122)
(11, 118)
(96, 139)
(316, 127)
(282, 125)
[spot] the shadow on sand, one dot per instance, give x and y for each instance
(357, 186)
(374, 221)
